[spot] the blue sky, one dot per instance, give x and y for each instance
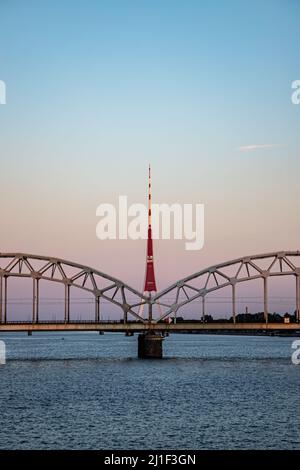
(97, 89)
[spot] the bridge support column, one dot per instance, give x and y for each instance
(150, 345)
(203, 308)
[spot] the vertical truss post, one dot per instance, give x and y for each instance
(234, 302)
(5, 299)
(298, 298)
(97, 308)
(150, 309)
(203, 308)
(1, 299)
(67, 303)
(37, 298)
(175, 316)
(266, 313)
(33, 299)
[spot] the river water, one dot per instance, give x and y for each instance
(86, 391)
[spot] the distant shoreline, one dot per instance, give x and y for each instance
(241, 333)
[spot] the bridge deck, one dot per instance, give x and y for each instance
(140, 327)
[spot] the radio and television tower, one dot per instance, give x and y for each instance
(150, 284)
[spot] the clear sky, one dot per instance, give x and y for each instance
(97, 89)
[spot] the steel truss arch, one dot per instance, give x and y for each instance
(215, 278)
(101, 285)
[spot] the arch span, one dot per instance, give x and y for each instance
(231, 273)
(71, 275)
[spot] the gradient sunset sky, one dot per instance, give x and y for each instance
(98, 89)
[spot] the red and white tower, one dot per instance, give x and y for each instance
(150, 284)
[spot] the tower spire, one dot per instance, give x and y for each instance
(150, 284)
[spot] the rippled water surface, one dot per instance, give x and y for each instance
(86, 391)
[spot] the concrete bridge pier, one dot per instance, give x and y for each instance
(150, 345)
